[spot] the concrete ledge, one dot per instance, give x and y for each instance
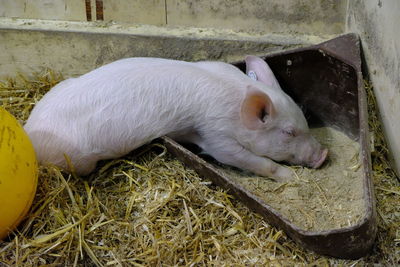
(73, 48)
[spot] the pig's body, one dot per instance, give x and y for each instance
(116, 108)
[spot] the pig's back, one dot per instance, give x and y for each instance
(123, 82)
(120, 106)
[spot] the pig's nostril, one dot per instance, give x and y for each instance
(321, 159)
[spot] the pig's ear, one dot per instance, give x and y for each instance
(256, 109)
(263, 72)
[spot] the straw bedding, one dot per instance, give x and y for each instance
(148, 209)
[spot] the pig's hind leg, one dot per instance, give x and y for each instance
(232, 153)
(55, 150)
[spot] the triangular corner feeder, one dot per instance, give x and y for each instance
(327, 80)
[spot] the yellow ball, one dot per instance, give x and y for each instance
(18, 173)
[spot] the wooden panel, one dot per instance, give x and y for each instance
(44, 9)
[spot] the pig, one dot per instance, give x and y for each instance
(246, 122)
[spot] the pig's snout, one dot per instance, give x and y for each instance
(320, 159)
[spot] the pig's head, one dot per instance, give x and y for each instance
(275, 126)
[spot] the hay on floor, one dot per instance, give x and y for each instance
(148, 209)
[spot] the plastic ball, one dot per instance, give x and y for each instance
(18, 173)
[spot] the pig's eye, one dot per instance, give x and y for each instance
(289, 132)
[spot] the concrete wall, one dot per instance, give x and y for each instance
(289, 16)
(378, 24)
(56, 34)
(75, 48)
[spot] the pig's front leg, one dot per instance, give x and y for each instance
(234, 154)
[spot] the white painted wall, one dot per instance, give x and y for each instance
(378, 24)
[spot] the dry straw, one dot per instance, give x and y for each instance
(147, 209)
